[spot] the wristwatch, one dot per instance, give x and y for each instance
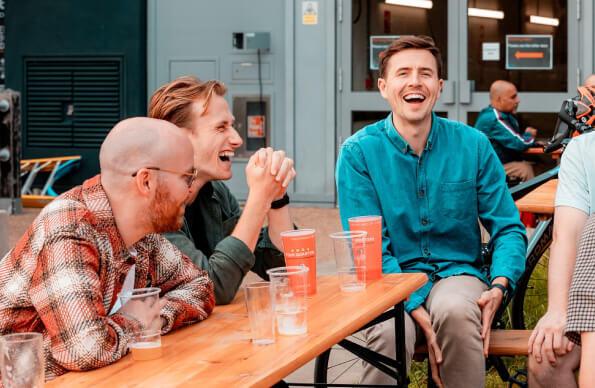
(501, 287)
(279, 203)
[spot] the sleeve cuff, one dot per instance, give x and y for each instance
(237, 251)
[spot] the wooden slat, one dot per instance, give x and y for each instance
(541, 200)
(502, 343)
(38, 201)
(218, 353)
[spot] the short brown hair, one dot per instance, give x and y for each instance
(173, 101)
(420, 42)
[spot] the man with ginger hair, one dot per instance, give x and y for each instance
(216, 235)
(64, 274)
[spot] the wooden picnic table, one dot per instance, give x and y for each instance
(541, 200)
(218, 351)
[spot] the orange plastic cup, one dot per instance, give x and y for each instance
(299, 247)
(372, 225)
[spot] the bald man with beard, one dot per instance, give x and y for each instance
(500, 125)
(64, 274)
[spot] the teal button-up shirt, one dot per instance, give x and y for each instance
(431, 203)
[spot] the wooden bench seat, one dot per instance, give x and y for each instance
(502, 343)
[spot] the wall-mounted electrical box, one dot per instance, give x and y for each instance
(252, 41)
(253, 117)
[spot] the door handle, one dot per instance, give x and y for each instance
(448, 92)
(466, 91)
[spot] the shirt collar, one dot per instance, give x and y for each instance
(398, 140)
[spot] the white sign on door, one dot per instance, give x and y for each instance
(490, 51)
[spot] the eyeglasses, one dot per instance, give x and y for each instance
(188, 177)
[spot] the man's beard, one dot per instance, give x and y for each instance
(164, 213)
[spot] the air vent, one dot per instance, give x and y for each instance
(72, 102)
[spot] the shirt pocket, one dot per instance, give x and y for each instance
(457, 199)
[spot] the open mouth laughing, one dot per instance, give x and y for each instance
(226, 156)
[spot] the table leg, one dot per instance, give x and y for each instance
(400, 358)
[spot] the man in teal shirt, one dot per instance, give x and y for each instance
(431, 179)
(500, 125)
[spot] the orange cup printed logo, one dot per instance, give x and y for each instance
(373, 226)
(299, 247)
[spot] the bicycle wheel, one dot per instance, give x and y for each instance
(337, 366)
(530, 300)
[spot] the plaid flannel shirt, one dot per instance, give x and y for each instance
(65, 273)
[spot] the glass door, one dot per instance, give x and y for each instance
(532, 43)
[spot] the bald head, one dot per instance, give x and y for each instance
(503, 96)
(142, 142)
(590, 81)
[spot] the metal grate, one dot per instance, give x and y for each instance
(71, 102)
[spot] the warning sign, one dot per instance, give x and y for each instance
(529, 52)
(256, 127)
(309, 12)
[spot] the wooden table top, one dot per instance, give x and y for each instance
(541, 200)
(218, 351)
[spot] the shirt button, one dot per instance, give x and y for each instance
(424, 221)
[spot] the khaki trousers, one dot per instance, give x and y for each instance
(456, 318)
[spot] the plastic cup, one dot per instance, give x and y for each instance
(22, 360)
(144, 344)
(289, 286)
(373, 226)
(350, 256)
(260, 313)
(299, 248)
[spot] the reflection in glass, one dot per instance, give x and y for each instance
(517, 20)
(378, 19)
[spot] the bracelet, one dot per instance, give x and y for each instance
(279, 203)
(499, 286)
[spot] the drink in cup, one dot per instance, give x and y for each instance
(299, 248)
(145, 344)
(289, 286)
(373, 226)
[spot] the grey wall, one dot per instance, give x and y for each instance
(195, 37)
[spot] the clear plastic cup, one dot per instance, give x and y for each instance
(260, 312)
(22, 361)
(145, 344)
(350, 256)
(289, 286)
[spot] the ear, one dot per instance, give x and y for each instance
(144, 182)
(441, 83)
(382, 87)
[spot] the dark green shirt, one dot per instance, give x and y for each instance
(206, 238)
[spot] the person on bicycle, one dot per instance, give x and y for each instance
(553, 358)
(500, 125)
(431, 179)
